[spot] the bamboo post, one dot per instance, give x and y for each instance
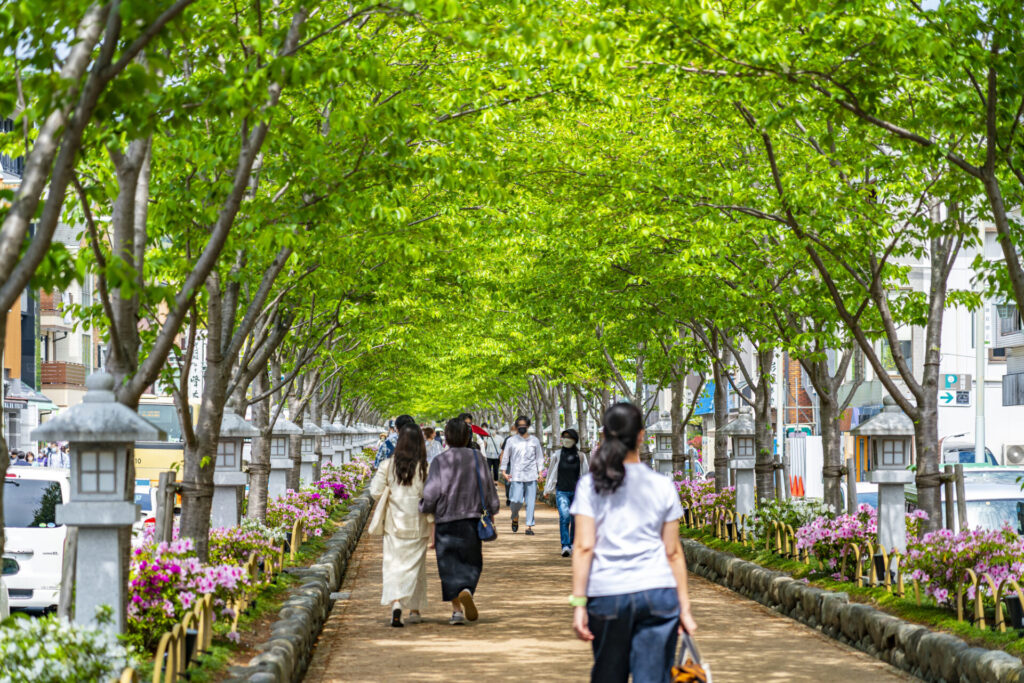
(961, 496)
(947, 488)
(166, 491)
(851, 486)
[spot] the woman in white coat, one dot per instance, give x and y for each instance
(567, 466)
(407, 531)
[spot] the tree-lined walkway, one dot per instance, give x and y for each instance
(524, 628)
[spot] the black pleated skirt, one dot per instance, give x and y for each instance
(459, 558)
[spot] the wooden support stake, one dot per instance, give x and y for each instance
(961, 496)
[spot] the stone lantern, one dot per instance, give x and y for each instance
(890, 436)
(339, 440)
(280, 460)
(101, 434)
(310, 468)
(327, 442)
(228, 478)
(353, 445)
(659, 436)
(741, 431)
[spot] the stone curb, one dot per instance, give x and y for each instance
(285, 657)
(930, 655)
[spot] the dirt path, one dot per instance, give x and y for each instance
(524, 628)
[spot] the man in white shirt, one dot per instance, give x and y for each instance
(521, 462)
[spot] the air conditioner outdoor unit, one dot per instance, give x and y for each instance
(1013, 454)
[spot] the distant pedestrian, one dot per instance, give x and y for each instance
(468, 419)
(433, 446)
(492, 453)
(453, 495)
(388, 446)
(629, 588)
(30, 458)
(20, 460)
(567, 465)
(524, 458)
(407, 531)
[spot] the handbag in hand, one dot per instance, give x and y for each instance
(485, 530)
(690, 668)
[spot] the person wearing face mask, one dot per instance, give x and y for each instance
(567, 465)
(524, 459)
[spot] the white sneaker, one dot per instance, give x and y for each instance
(458, 619)
(414, 618)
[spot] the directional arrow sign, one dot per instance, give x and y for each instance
(954, 398)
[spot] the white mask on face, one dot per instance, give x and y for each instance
(568, 443)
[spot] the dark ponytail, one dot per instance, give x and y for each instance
(622, 426)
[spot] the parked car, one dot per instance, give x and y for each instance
(962, 453)
(34, 548)
(867, 494)
(1003, 474)
(991, 505)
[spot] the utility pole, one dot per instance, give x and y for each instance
(980, 361)
(780, 411)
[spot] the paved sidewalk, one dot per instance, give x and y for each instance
(524, 628)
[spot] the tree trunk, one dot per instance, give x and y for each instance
(197, 490)
(678, 389)
(721, 400)
(926, 437)
(581, 419)
(295, 455)
(764, 458)
(565, 396)
(832, 449)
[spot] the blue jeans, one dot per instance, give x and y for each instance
(566, 523)
(634, 633)
(520, 493)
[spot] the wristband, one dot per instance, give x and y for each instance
(575, 601)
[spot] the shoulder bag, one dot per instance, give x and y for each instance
(485, 527)
(376, 526)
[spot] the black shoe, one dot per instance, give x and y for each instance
(566, 552)
(529, 532)
(515, 524)
(396, 618)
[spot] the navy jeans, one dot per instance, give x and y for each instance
(566, 523)
(634, 633)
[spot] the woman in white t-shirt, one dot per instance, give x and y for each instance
(628, 570)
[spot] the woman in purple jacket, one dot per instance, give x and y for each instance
(452, 495)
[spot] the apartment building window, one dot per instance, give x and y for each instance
(12, 430)
(906, 349)
(87, 352)
(1010, 324)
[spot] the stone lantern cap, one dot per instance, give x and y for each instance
(98, 418)
(310, 429)
(233, 425)
(330, 428)
(660, 427)
(285, 427)
(345, 429)
(743, 425)
(892, 421)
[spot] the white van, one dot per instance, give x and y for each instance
(34, 548)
